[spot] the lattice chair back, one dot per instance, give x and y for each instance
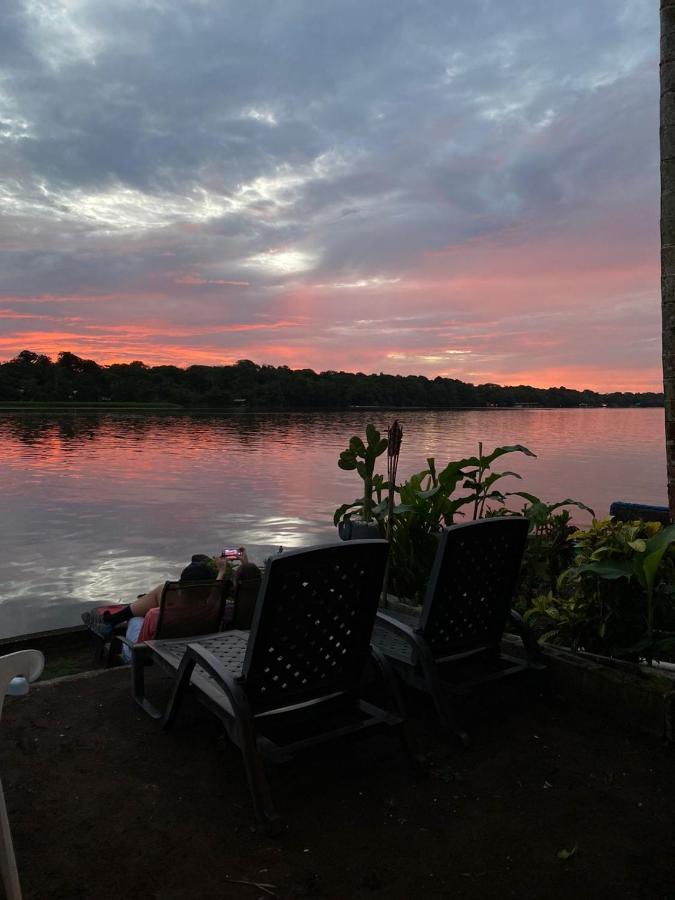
(472, 584)
(191, 608)
(313, 623)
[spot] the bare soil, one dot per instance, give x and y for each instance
(104, 805)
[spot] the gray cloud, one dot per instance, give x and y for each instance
(290, 144)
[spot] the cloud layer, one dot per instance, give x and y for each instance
(465, 189)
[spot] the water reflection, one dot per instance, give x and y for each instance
(98, 507)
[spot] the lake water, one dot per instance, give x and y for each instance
(101, 507)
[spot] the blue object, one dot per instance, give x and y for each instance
(639, 512)
(17, 687)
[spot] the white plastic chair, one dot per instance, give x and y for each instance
(16, 671)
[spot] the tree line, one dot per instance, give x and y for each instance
(32, 377)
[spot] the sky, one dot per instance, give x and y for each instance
(463, 188)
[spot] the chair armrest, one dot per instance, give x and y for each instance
(195, 654)
(414, 638)
(398, 628)
(527, 636)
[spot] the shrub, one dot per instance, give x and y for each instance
(618, 596)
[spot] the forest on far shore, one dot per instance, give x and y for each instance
(31, 377)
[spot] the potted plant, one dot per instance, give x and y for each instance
(362, 456)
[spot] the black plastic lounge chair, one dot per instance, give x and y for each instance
(196, 607)
(240, 612)
(191, 608)
(294, 679)
(455, 644)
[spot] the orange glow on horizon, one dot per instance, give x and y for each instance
(574, 377)
(513, 309)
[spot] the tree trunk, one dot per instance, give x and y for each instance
(667, 137)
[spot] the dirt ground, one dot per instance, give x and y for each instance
(104, 805)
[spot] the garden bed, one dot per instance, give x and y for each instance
(635, 696)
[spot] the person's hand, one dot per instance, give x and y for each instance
(243, 558)
(221, 564)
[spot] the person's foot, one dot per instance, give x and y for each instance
(98, 622)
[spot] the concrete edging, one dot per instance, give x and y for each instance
(639, 698)
(78, 676)
(636, 696)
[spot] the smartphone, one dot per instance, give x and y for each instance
(231, 553)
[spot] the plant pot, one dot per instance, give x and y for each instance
(358, 531)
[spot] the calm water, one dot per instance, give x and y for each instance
(100, 507)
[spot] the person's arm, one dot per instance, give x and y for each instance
(221, 565)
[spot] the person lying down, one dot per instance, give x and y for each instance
(142, 614)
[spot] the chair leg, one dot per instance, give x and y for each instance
(10, 875)
(99, 647)
(114, 648)
(180, 688)
(139, 656)
(408, 737)
(245, 738)
(443, 709)
(266, 814)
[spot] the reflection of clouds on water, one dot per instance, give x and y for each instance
(99, 513)
(270, 532)
(120, 578)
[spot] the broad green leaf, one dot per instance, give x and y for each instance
(425, 495)
(649, 567)
(639, 545)
(341, 510)
(661, 539)
(569, 502)
(608, 569)
(500, 451)
(531, 499)
(548, 636)
(495, 476)
(402, 508)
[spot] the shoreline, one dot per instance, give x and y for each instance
(65, 406)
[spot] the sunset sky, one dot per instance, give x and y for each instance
(466, 188)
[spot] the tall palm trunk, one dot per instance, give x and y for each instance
(667, 136)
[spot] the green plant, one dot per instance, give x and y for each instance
(480, 480)
(362, 457)
(616, 592)
(426, 505)
(427, 501)
(549, 550)
(644, 546)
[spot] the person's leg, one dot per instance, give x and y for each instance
(106, 621)
(146, 602)
(133, 630)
